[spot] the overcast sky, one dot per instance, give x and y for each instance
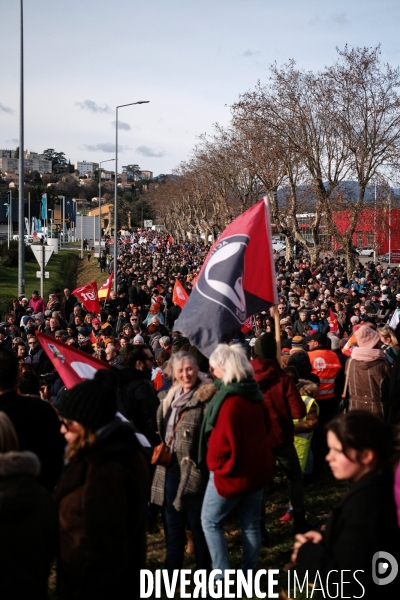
(190, 58)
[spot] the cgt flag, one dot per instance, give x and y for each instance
(105, 289)
(236, 281)
(73, 366)
(179, 295)
(333, 322)
(87, 294)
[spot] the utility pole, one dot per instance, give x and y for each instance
(21, 212)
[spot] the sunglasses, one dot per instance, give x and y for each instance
(32, 343)
(67, 424)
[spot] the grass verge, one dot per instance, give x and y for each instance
(62, 268)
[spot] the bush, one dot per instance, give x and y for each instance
(9, 256)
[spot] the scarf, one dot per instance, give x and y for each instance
(178, 403)
(367, 354)
(247, 389)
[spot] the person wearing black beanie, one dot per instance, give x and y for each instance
(102, 496)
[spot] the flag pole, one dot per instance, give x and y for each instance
(277, 334)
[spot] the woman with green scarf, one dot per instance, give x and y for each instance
(234, 444)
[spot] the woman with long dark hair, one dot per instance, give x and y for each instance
(364, 523)
(102, 496)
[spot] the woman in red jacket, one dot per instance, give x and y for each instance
(234, 442)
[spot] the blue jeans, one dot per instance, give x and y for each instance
(215, 509)
(176, 530)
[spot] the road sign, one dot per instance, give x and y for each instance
(147, 223)
(46, 274)
(37, 251)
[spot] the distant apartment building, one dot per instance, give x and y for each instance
(84, 167)
(33, 161)
(146, 174)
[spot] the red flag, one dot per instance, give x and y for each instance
(237, 280)
(105, 289)
(179, 295)
(92, 339)
(73, 366)
(158, 380)
(247, 325)
(87, 294)
(333, 322)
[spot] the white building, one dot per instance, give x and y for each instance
(85, 167)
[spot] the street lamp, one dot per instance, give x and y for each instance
(116, 186)
(100, 163)
(51, 223)
(8, 224)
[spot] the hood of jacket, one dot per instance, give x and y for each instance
(19, 463)
(265, 368)
(307, 388)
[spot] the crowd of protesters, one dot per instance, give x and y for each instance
(314, 388)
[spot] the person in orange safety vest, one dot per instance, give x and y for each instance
(326, 365)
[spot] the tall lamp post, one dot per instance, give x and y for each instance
(100, 163)
(21, 203)
(116, 186)
(51, 224)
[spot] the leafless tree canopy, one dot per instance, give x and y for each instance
(312, 142)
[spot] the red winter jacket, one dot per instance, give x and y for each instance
(281, 398)
(239, 452)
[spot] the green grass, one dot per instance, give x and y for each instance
(320, 497)
(63, 273)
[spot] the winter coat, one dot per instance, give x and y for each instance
(362, 524)
(282, 399)
(368, 385)
(299, 327)
(193, 482)
(38, 430)
(139, 401)
(67, 306)
(28, 528)
(38, 357)
(102, 499)
(239, 451)
(37, 305)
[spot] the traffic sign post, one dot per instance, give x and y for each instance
(42, 254)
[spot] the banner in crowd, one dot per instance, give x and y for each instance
(179, 295)
(87, 294)
(105, 289)
(73, 365)
(44, 207)
(236, 281)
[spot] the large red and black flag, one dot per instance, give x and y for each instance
(236, 281)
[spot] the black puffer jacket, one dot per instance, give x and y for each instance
(138, 402)
(28, 528)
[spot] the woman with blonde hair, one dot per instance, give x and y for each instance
(390, 345)
(28, 521)
(179, 487)
(234, 444)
